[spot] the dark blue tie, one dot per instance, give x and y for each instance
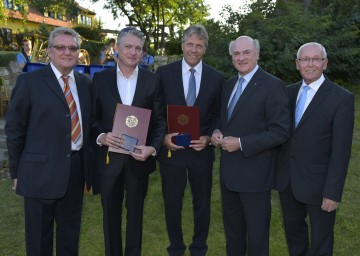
(191, 96)
(235, 97)
(300, 105)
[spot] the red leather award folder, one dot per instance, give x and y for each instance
(132, 124)
(186, 121)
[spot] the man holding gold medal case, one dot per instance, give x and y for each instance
(125, 174)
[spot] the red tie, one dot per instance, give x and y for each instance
(75, 123)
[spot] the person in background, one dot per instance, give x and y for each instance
(109, 56)
(254, 120)
(126, 176)
(25, 55)
(312, 165)
(47, 129)
(194, 163)
(147, 60)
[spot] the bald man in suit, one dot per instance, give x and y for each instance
(254, 119)
(312, 165)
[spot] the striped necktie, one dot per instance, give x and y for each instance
(75, 122)
(235, 97)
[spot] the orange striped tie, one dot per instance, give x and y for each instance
(75, 122)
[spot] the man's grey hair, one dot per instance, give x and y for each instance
(63, 31)
(199, 31)
(130, 31)
(255, 42)
(322, 48)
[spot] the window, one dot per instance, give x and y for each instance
(6, 36)
(89, 21)
(60, 16)
(83, 19)
(51, 14)
(9, 4)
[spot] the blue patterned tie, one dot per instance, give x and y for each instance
(235, 97)
(301, 104)
(191, 96)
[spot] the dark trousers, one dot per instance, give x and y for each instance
(296, 227)
(174, 179)
(246, 218)
(40, 215)
(113, 191)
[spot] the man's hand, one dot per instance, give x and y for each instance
(216, 138)
(201, 143)
(329, 205)
(146, 151)
(111, 140)
(230, 144)
(14, 184)
(168, 143)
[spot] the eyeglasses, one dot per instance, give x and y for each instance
(62, 48)
(313, 60)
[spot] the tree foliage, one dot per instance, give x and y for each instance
(159, 19)
(283, 26)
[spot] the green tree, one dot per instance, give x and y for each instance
(159, 19)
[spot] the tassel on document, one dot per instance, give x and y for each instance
(169, 153)
(107, 158)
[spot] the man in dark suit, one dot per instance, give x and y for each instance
(194, 163)
(312, 165)
(48, 142)
(126, 174)
(251, 126)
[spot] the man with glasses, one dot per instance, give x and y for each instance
(126, 175)
(47, 128)
(312, 165)
(194, 163)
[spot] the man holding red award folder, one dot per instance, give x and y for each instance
(189, 82)
(126, 174)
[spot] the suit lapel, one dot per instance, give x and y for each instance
(320, 95)
(250, 89)
(140, 88)
(205, 82)
(112, 83)
(50, 79)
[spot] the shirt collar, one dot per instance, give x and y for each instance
(135, 72)
(249, 75)
(59, 75)
(186, 67)
(316, 84)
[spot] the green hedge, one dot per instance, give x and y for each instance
(6, 57)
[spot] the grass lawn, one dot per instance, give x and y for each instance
(347, 229)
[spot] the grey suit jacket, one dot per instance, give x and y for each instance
(38, 130)
(316, 158)
(261, 120)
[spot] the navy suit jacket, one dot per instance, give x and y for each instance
(208, 100)
(147, 95)
(38, 130)
(316, 158)
(261, 120)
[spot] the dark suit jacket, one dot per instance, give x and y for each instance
(38, 130)
(147, 95)
(261, 120)
(208, 100)
(316, 158)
